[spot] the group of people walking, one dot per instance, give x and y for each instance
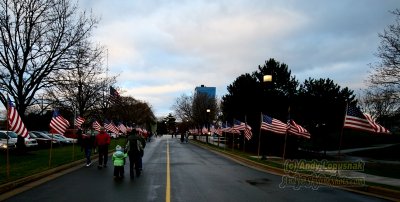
(133, 150)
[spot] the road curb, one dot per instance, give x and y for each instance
(44, 176)
(376, 191)
(6, 187)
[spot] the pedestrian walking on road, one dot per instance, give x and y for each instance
(87, 144)
(134, 148)
(118, 159)
(102, 141)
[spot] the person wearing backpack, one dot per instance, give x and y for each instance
(134, 148)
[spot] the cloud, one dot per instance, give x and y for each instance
(162, 49)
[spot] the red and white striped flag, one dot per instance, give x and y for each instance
(273, 125)
(378, 128)
(204, 130)
(238, 125)
(122, 128)
(58, 123)
(79, 121)
(96, 126)
(355, 119)
(247, 132)
(111, 127)
(298, 130)
(14, 121)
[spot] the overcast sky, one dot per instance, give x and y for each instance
(162, 49)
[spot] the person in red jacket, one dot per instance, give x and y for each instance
(102, 141)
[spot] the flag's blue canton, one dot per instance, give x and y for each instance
(56, 113)
(267, 119)
(354, 111)
(237, 122)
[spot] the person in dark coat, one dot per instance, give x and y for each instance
(133, 147)
(87, 145)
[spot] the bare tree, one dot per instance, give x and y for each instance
(37, 40)
(83, 89)
(382, 97)
(379, 102)
(183, 107)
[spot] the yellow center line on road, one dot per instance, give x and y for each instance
(168, 186)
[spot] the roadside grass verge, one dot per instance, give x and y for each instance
(33, 162)
(374, 168)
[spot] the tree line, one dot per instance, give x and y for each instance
(319, 105)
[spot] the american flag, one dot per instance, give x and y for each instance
(224, 127)
(218, 131)
(14, 121)
(273, 125)
(204, 130)
(298, 130)
(111, 127)
(114, 95)
(58, 123)
(247, 132)
(79, 121)
(355, 119)
(122, 128)
(96, 126)
(378, 128)
(129, 128)
(238, 125)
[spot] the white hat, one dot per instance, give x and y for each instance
(118, 148)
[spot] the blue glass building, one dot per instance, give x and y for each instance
(210, 91)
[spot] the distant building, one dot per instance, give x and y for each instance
(210, 91)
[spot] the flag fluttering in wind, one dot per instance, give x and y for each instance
(247, 132)
(122, 128)
(273, 125)
(218, 131)
(96, 126)
(111, 127)
(378, 128)
(79, 121)
(58, 123)
(114, 95)
(204, 130)
(14, 120)
(238, 125)
(355, 119)
(298, 130)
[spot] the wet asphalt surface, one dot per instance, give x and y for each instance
(196, 175)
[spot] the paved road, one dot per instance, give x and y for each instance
(194, 174)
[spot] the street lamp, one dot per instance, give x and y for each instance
(208, 120)
(266, 78)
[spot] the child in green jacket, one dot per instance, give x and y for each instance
(118, 159)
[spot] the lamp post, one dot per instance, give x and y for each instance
(266, 79)
(208, 120)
